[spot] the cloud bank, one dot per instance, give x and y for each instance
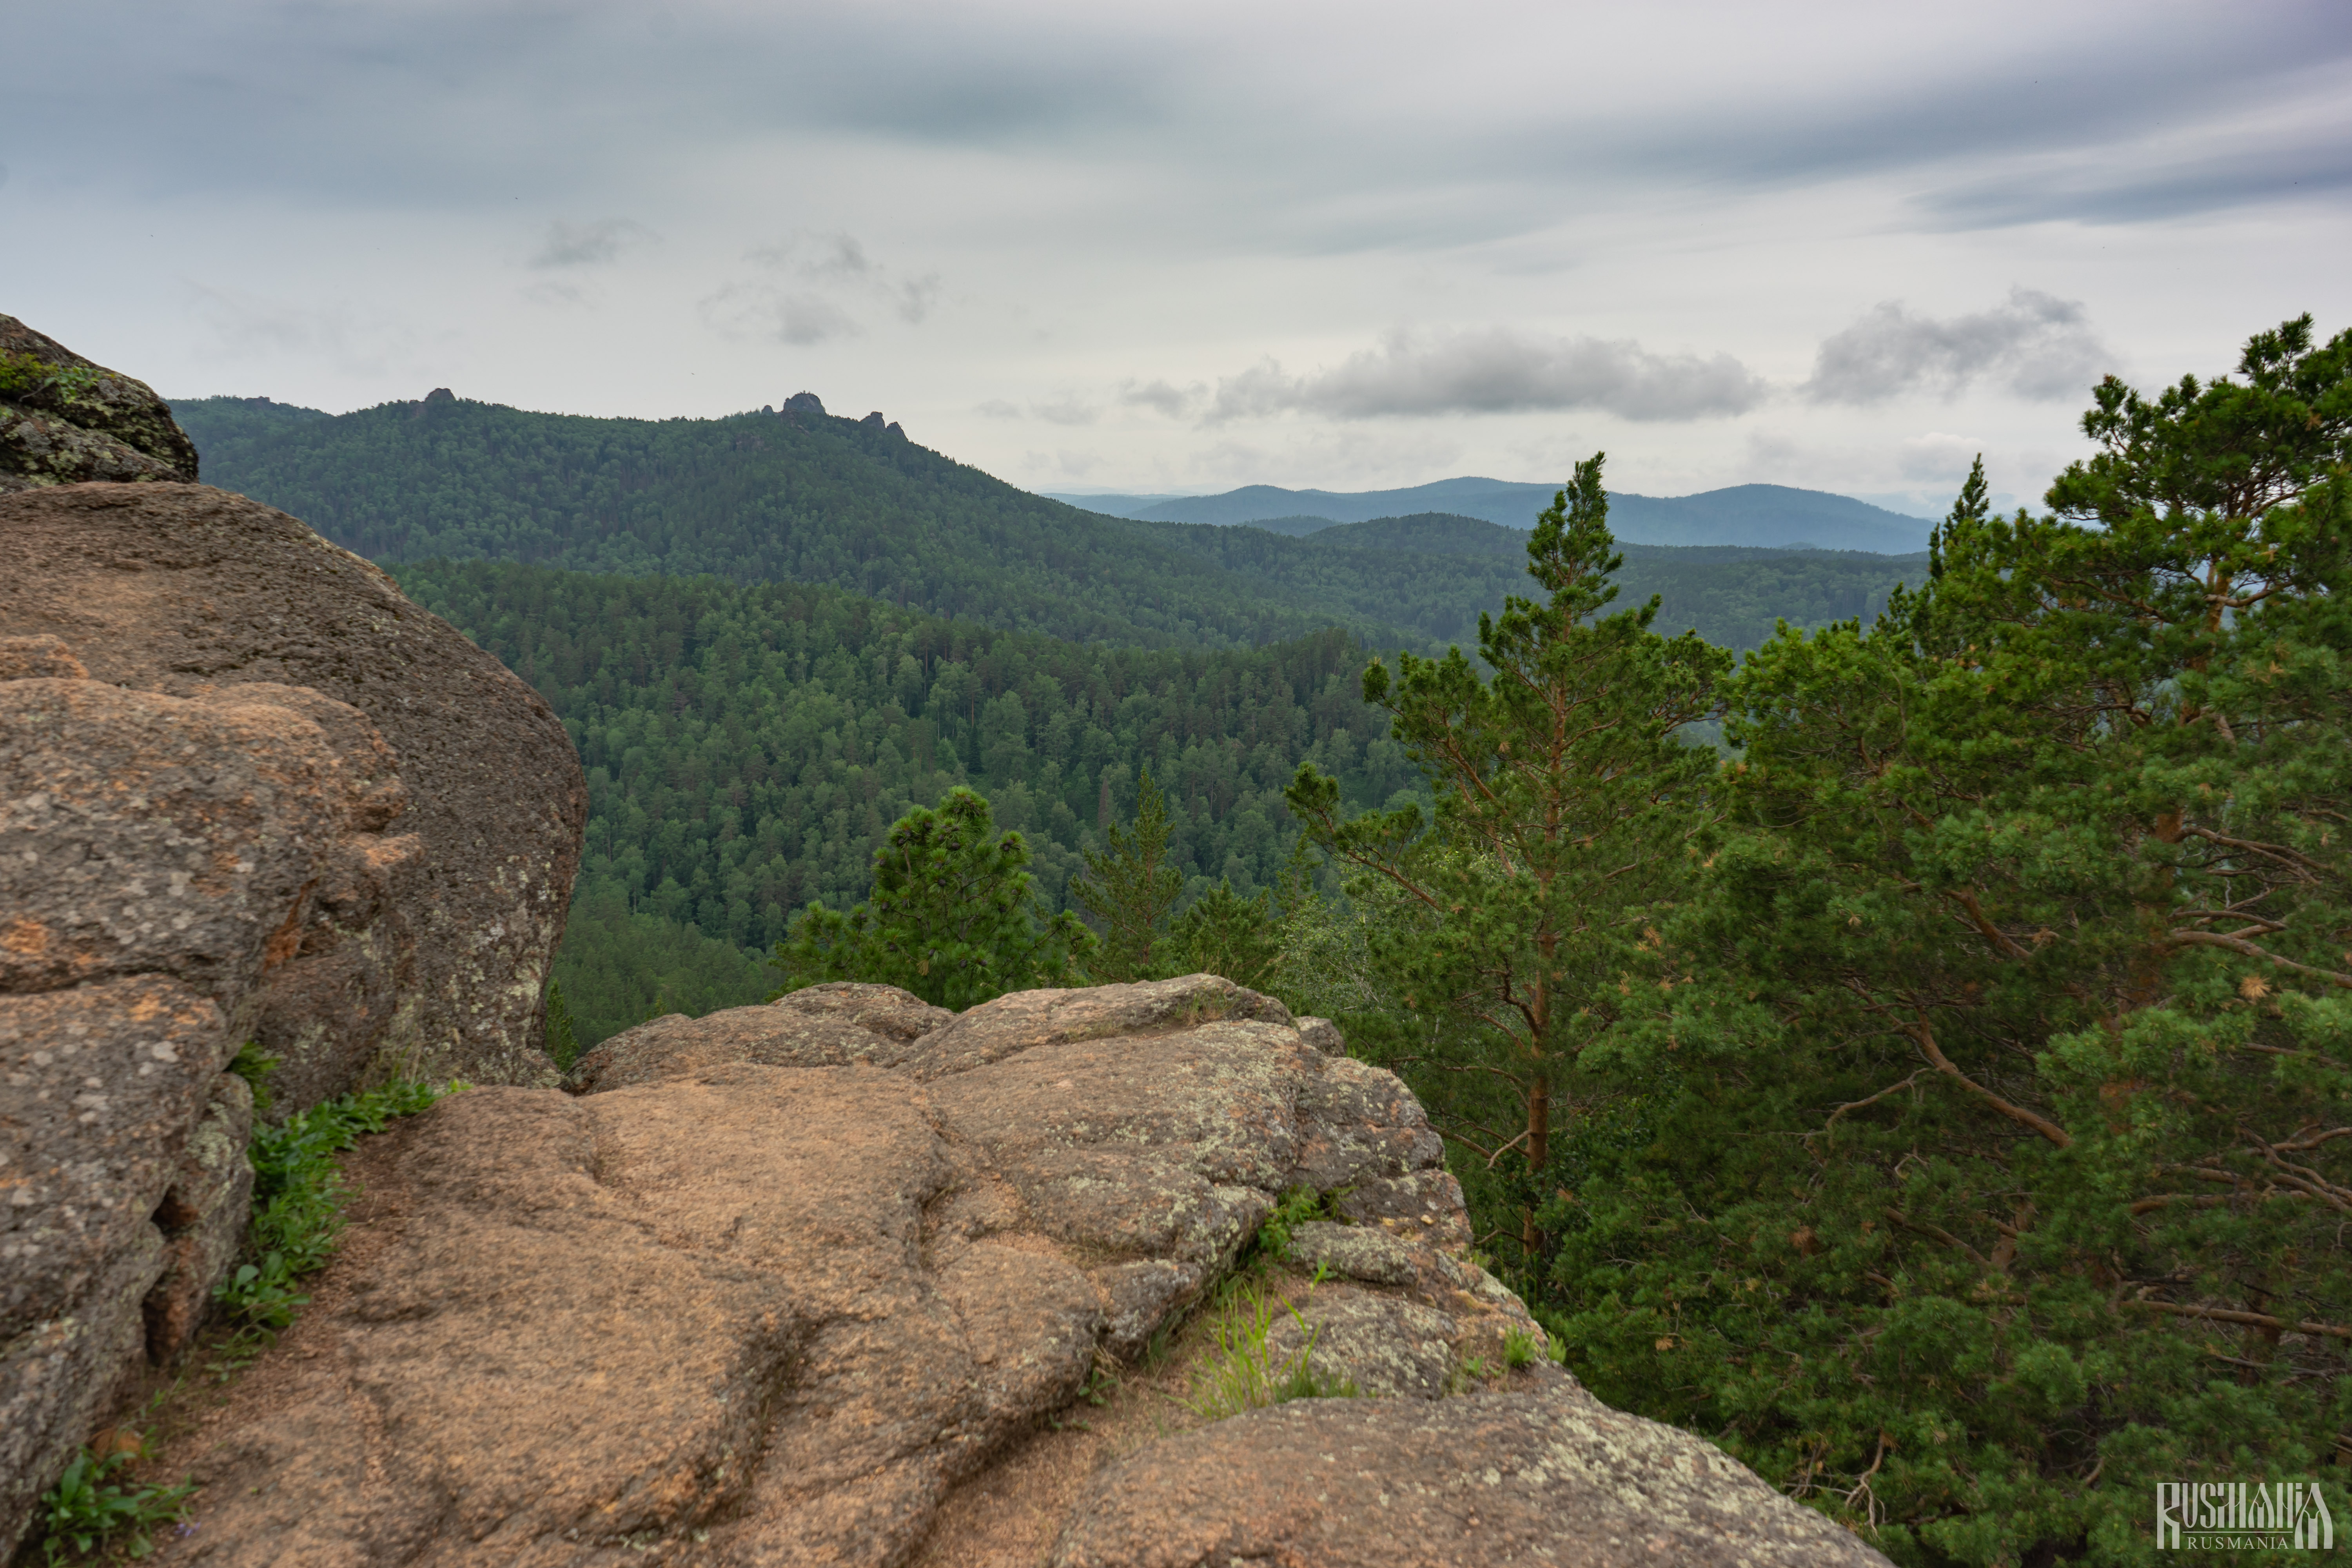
(1499, 370)
(2035, 345)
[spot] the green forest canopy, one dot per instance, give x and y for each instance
(747, 745)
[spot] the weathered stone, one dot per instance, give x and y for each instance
(1426, 1206)
(143, 834)
(1553, 1478)
(997, 1029)
(100, 1088)
(1323, 1035)
(186, 590)
(823, 1026)
(71, 420)
(1385, 1346)
(203, 1217)
(1360, 1253)
(23, 658)
(1486, 1315)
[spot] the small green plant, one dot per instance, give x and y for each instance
(21, 374)
(87, 1511)
(562, 1042)
(299, 1197)
(255, 1065)
(1520, 1349)
(1299, 1205)
(1244, 1373)
(1470, 1372)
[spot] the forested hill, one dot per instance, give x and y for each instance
(800, 497)
(805, 498)
(1754, 516)
(747, 745)
(1431, 575)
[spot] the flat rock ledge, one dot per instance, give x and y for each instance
(771, 1286)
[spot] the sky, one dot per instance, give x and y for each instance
(1178, 249)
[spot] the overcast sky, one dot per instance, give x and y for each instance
(1188, 248)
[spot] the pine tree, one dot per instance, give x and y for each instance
(1995, 1164)
(1567, 802)
(955, 917)
(1132, 887)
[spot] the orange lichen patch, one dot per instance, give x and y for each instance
(387, 853)
(286, 940)
(25, 939)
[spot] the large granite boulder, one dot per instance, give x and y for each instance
(192, 591)
(166, 863)
(247, 793)
(736, 1312)
(64, 420)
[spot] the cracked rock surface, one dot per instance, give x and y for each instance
(1554, 1478)
(753, 1312)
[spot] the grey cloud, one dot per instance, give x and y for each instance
(1173, 401)
(805, 288)
(354, 339)
(1497, 371)
(1071, 410)
(588, 244)
(2036, 345)
(760, 309)
(2179, 190)
(437, 103)
(996, 408)
(839, 262)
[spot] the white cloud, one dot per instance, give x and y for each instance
(1496, 371)
(2035, 345)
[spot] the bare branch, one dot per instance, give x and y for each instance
(2251, 1320)
(1939, 1233)
(2048, 1129)
(2208, 939)
(1873, 1099)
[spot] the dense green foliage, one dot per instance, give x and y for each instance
(747, 748)
(1972, 1146)
(954, 917)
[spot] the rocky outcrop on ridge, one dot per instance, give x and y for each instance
(743, 1311)
(64, 420)
(432, 964)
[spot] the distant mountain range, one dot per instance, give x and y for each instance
(1756, 516)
